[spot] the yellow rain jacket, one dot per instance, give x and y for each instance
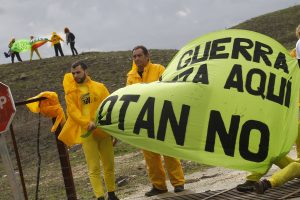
(151, 73)
(55, 39)
(71, 131)
(49, 107)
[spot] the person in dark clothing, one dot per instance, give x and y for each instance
(55, 39)
(70, 38)
(12, 53)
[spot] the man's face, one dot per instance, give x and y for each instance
(140, 59)
(79, 74)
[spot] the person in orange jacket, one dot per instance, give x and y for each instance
(143, 71)
(55, 40)
(83, 96)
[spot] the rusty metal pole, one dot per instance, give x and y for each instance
(65, 166)
(12, 133)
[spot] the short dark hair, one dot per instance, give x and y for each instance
(77, 63)
(145, 50)
(67, 30)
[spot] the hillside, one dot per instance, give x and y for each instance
(28, 79)
(280, 25)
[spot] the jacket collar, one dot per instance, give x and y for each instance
(70, 84)
(134, 68)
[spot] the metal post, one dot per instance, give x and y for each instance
(16, 190)
(65, 166)
(12, 133)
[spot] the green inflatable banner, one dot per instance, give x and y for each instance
(229, 98)
(21, 45)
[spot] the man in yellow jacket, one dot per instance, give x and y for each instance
(55, 41)
(143, 71)
(83, 96)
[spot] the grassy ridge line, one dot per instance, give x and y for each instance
(280, 25)
(28, 79)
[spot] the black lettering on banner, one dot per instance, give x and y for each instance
(111, 100)
(263, 149)
(186, 62)
(216, 126)
(179, 129)
(216, 48)
(288, 94)
(238, 48)
(185, 74)
(147, 124)
(195, 58)
(280, 63)
(202, 75)
(236, 71)
(127, 99)
(259, 91)
(261, 50)
(270, 93)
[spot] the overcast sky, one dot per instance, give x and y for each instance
(112, 25)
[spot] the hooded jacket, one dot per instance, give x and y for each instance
(76, 121)
(151, 73)
(55, 39)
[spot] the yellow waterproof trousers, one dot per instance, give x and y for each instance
(282, 163)
(289, 172)
(157, 173)
(96, 149)
(286, 174)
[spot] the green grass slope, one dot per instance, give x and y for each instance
(280, 25)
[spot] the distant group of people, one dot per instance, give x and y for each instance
(289, 168)
(83, 96)
(55, 42)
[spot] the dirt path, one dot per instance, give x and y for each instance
(215, 178)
